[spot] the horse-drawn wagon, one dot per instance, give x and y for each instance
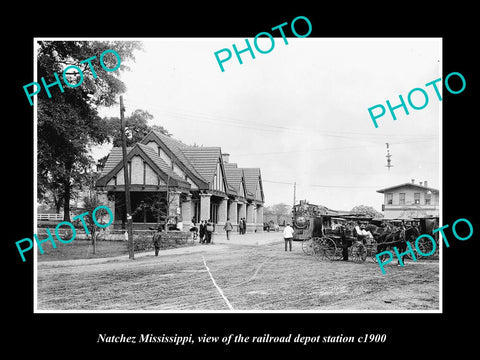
(337, 237)
(331, 235)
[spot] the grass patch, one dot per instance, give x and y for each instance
(82, 249)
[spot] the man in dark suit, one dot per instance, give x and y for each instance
(157, 238)
(241, 226)
(203, 229)
(210, 228)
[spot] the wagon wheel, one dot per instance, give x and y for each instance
(338, 255)
(418, 256)
(307, 246)
(359, 252)
(425, 247)
(316, 247)
(372, 251)
(327, 248)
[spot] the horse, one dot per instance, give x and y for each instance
(391, 236)
(379, 233)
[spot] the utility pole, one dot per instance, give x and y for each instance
(294, 200)
(127, 182)
(294, 193)
(389, 165)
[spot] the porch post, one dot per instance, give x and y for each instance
(174, 206)
(187, 211)
(232, 213)
(250, 219)
(242, 210)
(222, 212)
(260, 216)
(205, 206)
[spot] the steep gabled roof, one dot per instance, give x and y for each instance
(199, 162)
(113, 159)
(232, 190)
(114, 164)
(203, 159)
(163, 166)
(234, 175)
(176, 148)
(252, 178)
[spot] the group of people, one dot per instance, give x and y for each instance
(204, 231)
(206, 228)
(358, 231)
(242, 226)
(362, 234)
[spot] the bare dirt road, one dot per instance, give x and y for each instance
(251, 272)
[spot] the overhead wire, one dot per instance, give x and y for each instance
(268, 127)
(398, 139)
(323, 186)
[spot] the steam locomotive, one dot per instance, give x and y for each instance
(311, 220)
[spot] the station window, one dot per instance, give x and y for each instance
(428, 197)
(389, 198)
(416, 198)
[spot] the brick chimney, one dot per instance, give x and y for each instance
(413, 181)
(425, 183)
(225, 157)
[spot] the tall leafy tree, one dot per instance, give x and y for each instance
(136, 127)
(68, 121)
(278, 209)
(366, 210)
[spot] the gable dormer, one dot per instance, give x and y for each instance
(219, 181)
(145, 168)
(242, 189)
(171, 152)
(259, 196)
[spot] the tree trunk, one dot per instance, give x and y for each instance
(66, 193)
(66, 201)
(57, 201)
(94, 241)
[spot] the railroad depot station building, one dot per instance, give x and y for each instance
(200, 181)
(410, 200)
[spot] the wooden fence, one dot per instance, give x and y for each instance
(48, 217)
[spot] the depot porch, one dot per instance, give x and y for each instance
(150, 209)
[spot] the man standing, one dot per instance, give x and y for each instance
(240, 226)
(157, 238)
(210, 228)
(203, 230)
(288, 236)
(228, 227)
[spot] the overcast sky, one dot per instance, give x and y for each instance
(300, 112)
